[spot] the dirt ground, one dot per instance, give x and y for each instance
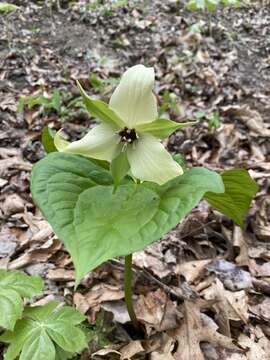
(183, 287)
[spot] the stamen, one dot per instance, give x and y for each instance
(127, 135)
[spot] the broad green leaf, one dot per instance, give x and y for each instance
(7, 7)
(47, 136)
(60, 332)
(38, 346)
(23, 329)
(73, 316)
(47, 330)
(240, 189)
(95, 224)
(162, 128)
(14, 286)
(40, 313)
(11, 308)
(26, 286)
(100, 109)
(119, 167)
(61, 354)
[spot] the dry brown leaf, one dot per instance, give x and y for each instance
(251, 118)
(61, 275)
(240, 242)
(151, 258)
(103, 292)
(99, 293)
(231, 305)
(131, 349)
(105, 352)
(257, 345)
(157, 312)
(262, 309)
(118, 309)
(191, 270)
(165, 353)
(41, 254)
(13, 204)
(193, 331)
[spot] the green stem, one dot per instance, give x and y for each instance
(128, 290)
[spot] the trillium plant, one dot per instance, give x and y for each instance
(118, 189)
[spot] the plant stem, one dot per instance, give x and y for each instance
(128, 290)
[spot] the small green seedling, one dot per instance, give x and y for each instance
(47, 103)
(211, 4)
(7, 7)
(212, 119)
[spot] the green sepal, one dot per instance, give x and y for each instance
(119, 167)
(162, 128)
(240, 189)
(100, 109)
(47, 139)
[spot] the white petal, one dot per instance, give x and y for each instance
(133, 99)
(150, 161)
(102, 142)
(59, 142)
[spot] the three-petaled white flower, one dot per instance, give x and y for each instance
(129, 125)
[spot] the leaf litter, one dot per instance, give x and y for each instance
(202, 292)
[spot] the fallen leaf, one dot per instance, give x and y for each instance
(157, 312)
(131, 349)
(251, 118)
(61, 275)
(193, 331)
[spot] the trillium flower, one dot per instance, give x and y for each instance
(130, 132)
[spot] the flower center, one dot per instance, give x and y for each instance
(128, 135)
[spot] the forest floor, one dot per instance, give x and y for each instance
(207, 276)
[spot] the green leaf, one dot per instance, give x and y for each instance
(119, 167)
(38, 346)
(11, 308)
(100, 109)
(162, 128)
(40, 313)
(61, 354)
(47, 136)
(196, 5)
(76, 196)
(23, 329)
(73, 316)
(48, 331)
(235, 3)
(60, 331)
(240, 189)
(202, 4)
(14, 286)
(213, 120)
(7, 7)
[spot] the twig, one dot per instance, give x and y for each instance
(147, 275)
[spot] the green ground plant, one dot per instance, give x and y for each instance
(51, 331)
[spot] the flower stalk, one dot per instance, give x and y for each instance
(128, 290)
